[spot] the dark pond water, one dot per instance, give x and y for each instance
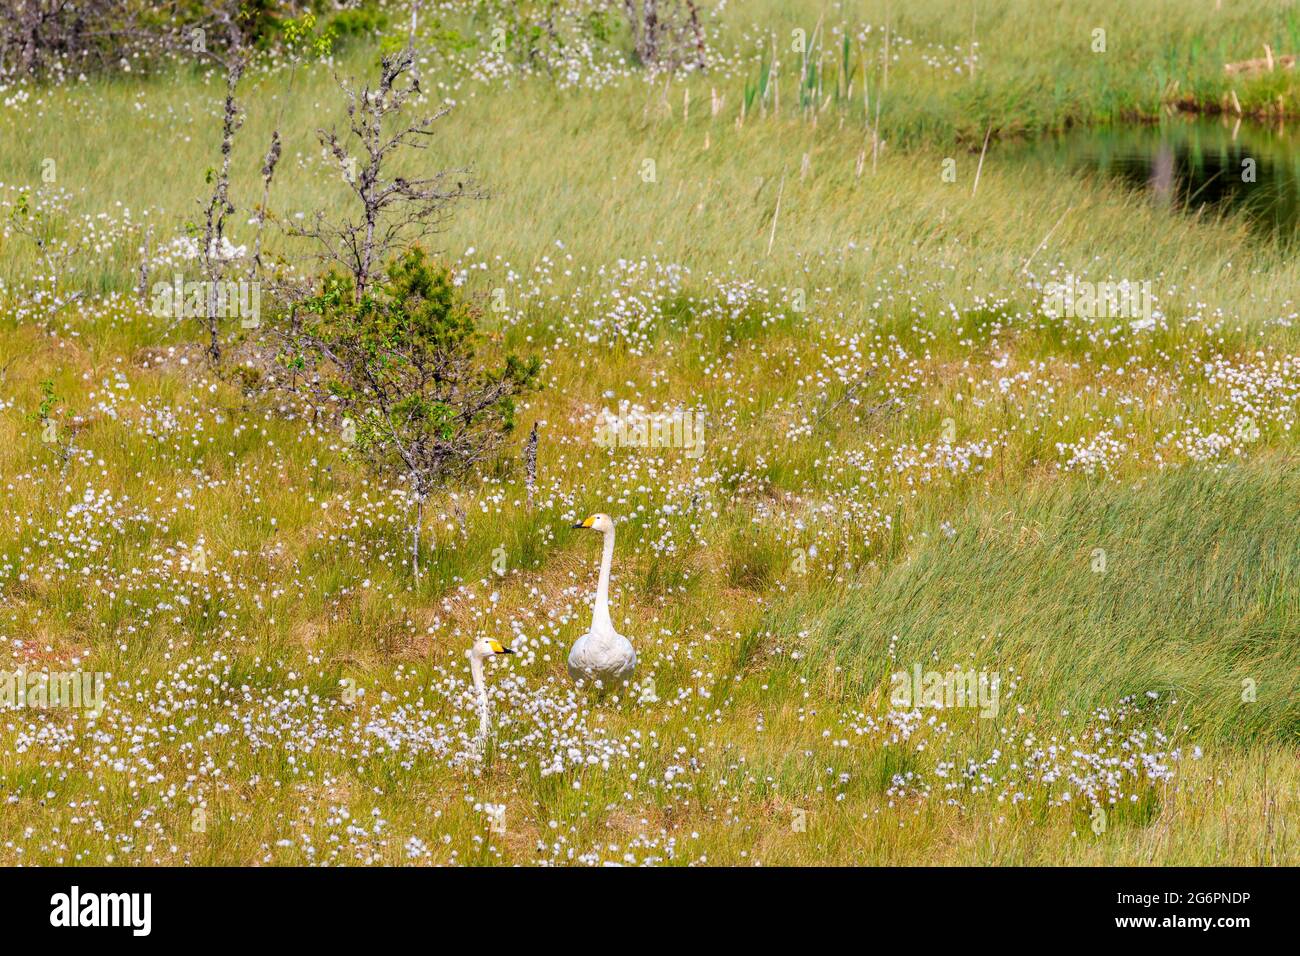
(1215, 166)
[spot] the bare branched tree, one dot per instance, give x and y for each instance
(233, 57)
(269, 164)
(231, 50)
(394, 210)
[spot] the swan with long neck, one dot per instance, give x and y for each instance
(602, 656)
(482, 649)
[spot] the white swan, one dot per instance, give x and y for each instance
(602, 656)
(483, 649)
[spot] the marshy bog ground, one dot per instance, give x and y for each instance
(940, 374)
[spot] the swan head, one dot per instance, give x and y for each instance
(598, 522)
(484, 648)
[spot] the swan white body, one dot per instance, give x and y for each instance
(602, 656)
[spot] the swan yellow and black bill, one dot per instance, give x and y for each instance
(499, 648)
(585, 522)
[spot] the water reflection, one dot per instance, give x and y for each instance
(1231, 167)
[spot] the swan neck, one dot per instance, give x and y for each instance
(476, 668)
(600, 619)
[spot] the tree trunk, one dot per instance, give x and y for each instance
(214, 340)
(415, 538)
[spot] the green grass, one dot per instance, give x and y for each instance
(1037, 65)
(1195, 594)
(830, 346)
